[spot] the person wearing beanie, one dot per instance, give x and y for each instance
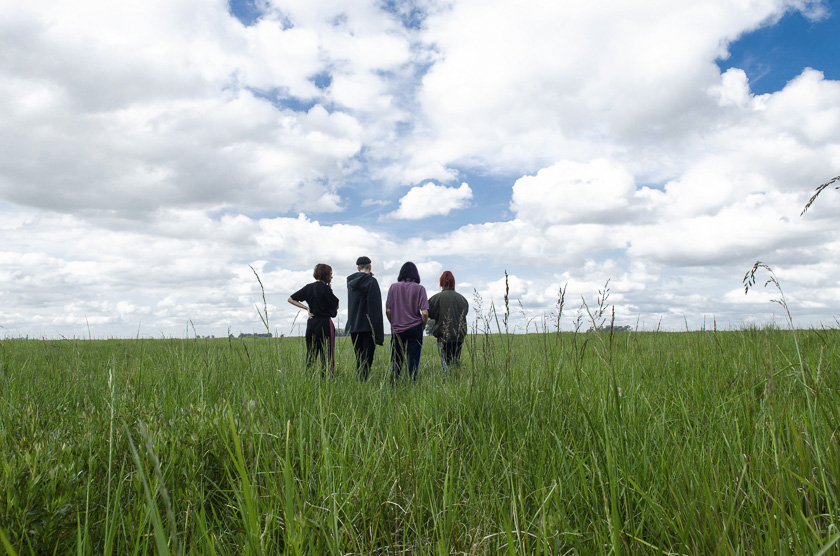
(364, 315)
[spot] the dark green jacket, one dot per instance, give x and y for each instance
(449, 311)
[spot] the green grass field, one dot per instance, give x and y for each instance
(688, 443)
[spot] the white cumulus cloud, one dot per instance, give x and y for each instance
(152, 151)
(432, 200)
(570, 192)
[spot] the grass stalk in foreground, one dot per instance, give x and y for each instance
(701, 442)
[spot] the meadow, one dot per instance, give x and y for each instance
(708, 442)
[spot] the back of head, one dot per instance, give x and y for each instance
(447, 281)
(323, 272)
(408, 273)
(363, 263)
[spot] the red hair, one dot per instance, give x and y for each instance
(447, 281)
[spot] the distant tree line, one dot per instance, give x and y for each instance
(611, 328)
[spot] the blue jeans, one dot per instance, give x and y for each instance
(411, 342)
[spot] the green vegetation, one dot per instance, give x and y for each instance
(696, 442)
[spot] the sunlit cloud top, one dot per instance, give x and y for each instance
(153, 153)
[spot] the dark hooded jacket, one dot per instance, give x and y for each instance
(364, 306)
(449, 311)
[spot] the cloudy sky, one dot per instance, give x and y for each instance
(152, 152)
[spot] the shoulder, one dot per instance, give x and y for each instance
(301, 294)
(322, 288)
(309, 290)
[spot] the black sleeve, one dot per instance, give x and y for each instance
(333, 305)
(374, 310)
(302, 294)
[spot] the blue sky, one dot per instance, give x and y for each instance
(153, 154)
(774, 54)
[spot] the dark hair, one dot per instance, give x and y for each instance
(363, 261)
(323, 272)
(447, 281)
(409, 273)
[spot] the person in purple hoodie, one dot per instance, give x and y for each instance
(407, 309)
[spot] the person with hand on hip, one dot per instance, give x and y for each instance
(322, 307)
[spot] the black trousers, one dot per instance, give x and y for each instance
(450, 353)
(318, 344)
(364, 346)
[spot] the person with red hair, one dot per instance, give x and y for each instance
(322, 307)
(449, 311)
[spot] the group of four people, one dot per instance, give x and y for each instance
(406, 307)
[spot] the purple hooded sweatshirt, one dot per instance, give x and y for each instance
(405, 301)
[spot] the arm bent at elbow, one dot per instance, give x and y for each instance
(300, 305)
